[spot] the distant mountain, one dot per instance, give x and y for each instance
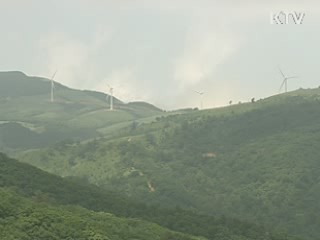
(256, 161)
(17, 84)
(28, 116)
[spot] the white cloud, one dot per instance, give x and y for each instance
(67, 55)
(125, 84)
(79, 66)
(73, 58)
(207, 46)
(143, 58)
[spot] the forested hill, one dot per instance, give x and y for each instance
(255, 161)
(23, 218)
(38, 205)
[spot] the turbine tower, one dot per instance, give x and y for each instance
(111, 97)
(201, 97)
(52, 87)
(285, 81)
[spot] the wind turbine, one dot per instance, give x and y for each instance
(201, 97)
(111, 97)
(285, 81)
(52, 86)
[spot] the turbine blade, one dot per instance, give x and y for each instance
(198, 92)
(54, 75)
(293, 77)
(281, 72)
(282, 85)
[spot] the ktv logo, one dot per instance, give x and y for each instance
(286, 17)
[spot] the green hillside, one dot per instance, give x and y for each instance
(29, 120)
(51, 195)
(256, 161)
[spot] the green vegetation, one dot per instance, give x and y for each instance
(21, 218)
(52, 191)
(257, 162)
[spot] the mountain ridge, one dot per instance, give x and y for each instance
(75, 114)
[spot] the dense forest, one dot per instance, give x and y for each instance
(36, 204)
(22, 218)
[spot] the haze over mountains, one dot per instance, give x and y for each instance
(252, 162)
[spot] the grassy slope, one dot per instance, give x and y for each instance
(75, 114)
(252, 161)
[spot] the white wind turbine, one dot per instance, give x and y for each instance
(285, 81)
(52, 87)
(111, 97)
(201, 97)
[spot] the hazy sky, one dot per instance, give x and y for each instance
(160, 51)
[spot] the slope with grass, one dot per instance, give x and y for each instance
(28, 119)
(257, 162)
